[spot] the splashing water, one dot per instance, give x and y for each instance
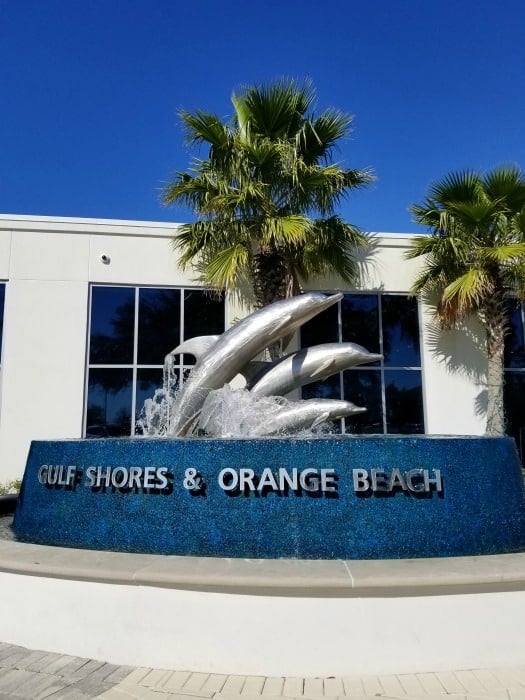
(226, 412)
(154, 417)
(237, 413)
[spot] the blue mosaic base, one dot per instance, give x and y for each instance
(481, 509)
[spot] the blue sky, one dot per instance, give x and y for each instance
(90, 91)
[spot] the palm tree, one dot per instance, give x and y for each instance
(265, 198)
(475, 260)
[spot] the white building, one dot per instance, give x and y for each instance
(92, 305)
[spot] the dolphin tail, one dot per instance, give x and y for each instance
(197, 346)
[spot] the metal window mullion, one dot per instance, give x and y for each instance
(523, 323)
(182, 336)
(135, 361)
(88, 365)
(382, 361)
(340, 340)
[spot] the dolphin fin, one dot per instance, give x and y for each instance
(321, 369)
(321, 418)
(197, 346)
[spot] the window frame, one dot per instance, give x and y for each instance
(180, 366)
(381, 368)
(520, 439)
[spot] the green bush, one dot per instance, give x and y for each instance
(10, 487)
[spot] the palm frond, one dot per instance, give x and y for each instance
(279, 231)
(502, 254)
(507, 184)
(459, 186)
(203, 127)
(469, 290)
(317, 138)
(227, 268)
(332, 247)
(517, 223)
(274, 110)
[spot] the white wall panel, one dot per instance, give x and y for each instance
(40, 255)
(42, 367)
(136, 260)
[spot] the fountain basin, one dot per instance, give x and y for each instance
(336, 497)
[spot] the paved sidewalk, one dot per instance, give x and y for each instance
(30, 675)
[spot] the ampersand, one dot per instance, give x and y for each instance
(193, 480)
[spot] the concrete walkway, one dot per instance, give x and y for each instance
(30, 675)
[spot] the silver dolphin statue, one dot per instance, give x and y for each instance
(237, 346)
(309, 365)
(304, 415)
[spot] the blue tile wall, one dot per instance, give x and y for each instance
(479, 511)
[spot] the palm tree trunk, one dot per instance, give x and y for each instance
(271, 282)
(495, 377)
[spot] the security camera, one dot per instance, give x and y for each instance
(105, 259)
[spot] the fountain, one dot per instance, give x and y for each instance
(283, 546)
(240, 474)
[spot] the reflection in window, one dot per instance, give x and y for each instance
(390, 389)
(515, 407)
(360, 320)
(325, 325)
(109, 401)
(403, 402)
(400, 326)
(159, 324)
(514, 387)
(514, 341)
(112, 321)
(132, 329)
(364, 389)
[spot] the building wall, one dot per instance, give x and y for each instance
(49, 263)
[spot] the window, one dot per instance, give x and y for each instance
(390, 389)
(132, 329)
(514, 375)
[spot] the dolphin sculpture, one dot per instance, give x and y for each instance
(303, 415)
(308, 365)
(225, 357)
(238, 413)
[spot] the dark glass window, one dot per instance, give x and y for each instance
(109, 402)
(514, 387)
(112, 322)
(325, 325)
(159, 324)
(132, 329)
(514, 393)
(330, 388)
(404, 402)
(364, 389)
(514, 341)
(400, 331)
(203, 313)
(391, 389)
(360, 320)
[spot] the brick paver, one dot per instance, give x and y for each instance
(26, 674)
